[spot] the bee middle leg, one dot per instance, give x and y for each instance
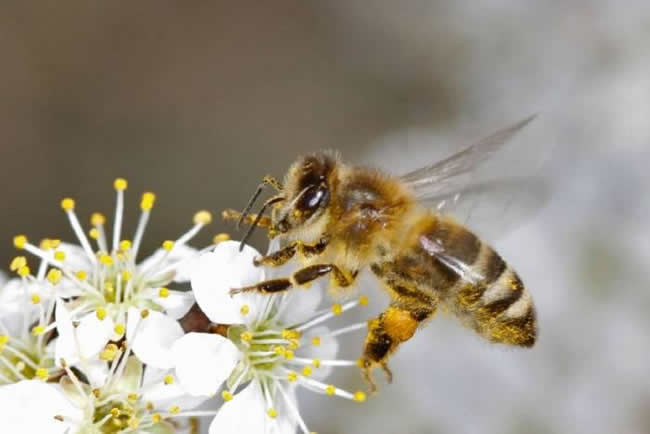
(300, 277)
(282, 256)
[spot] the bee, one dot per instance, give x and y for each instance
(341, 219)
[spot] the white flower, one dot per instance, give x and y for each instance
(274, 343)
(106, 289)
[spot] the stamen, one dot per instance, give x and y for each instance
(326, 316)
(146, 204)
(120, 185)
(68, 205)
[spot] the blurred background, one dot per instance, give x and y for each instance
(196, 101)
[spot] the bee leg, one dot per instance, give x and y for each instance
(300, 277)
(231, 214)
(283, 255)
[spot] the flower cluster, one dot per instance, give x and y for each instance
(90, 338)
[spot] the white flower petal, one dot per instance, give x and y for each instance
(131, 378)
(177, 303)
(301, 304)
(181, 257)
(30, 407)
(327, 350)
(66, 347)
(96, 371)
(203, 362)
(93, 334)
(217, 272)
(153, 338)
(164, 395)
(14, 296)
(76, 258)
(244, 414)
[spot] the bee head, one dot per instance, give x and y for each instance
(306, 193)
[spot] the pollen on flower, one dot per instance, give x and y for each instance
(315, 341)
(24, 271)
(316, 363)
(119, 329)
(169, 380)
(93, 233)
(147, 202)
(133, 397)
(168, 245)
(294, 344)
(81, 275)
(101, 313)
(292, 376)
(120, 184)
(246, 336)
(226, 395)
(45, 244)
(149, 405)
(272, 413)
(337, 309)
(202, 218)
(359, 396)
(288, 355)
(105, 259)
(115, 412)
(67, 204)
(36, 299)
(126, 276)
(363, 300)
(133, 422)
(42, 374)
(20, 241)
(97, 219)
(17, 263)
(307, 371)
(219, 238)
(156, 418)
(125, 245)
(290, 334)
(244, 310)
(109, 353)
(174, 409)
(330, 390)
(279, 350)
(38, 330)
(54, 276)
(4, 339)
(144, 313)
(59, 255)
(163, 292)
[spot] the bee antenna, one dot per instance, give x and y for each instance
(250, 204)
(258, 217)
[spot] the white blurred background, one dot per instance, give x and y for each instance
(197, 101)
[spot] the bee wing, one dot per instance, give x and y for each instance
(491, 208)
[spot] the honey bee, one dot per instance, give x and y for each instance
(341, 219)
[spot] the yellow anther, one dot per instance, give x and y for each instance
(174, 409)
(105, 259)
(17, 263)
(133, 422)
(126, 276)
(101, 313)
(156, 418)
(315, 341)
(45, 244)
(168, 245)
(147, 202)
(36, 298)
(119, 329)
(226, 395)
(59, 255)
(97, 219)
(54, 276)
(279, 350)
(330, 390)
(67, 204)
(363, 300)
(163, 292)
(38, 330)
(81, 275)
(290, 334)
(337, 309)
(292, 376)
(42, 373)
(149, 405)
(109, 352)
(359, 396)
(93, 233)
(307, 371)
(169, 380)
(288, 355)
(115, 412)
(55, 243)
(219, 238)
(316, 363)
(272, 413)
(144, 313)
(125, 245)
(202, 218)
(109, 288)
(20, 366)
(24, 271)
(120, 184)
(246, 336)
(244, 310)
(294, 344)
(4, 339)
(20, 241)
(133, 397)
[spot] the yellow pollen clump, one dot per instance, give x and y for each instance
(17, 262)
(226, 395)
(292, 376)
(59, 255)
(330, 390)
(163, 292)
(219, 238)
(109, 352)
(290, 334)
(54, 243)
(20, 241)
(288, 355)
(147, 202)
(133, 397)
(81, 275)
(54, 276)
(149, 405)
(101, 313)
(115, 412)
(363, 300)
(119, 329)
(97, 219)
(169, 380)
(156, 418)
(93, 233)
(125, 245)
(24, 271)
(45, 244)
(105, 259)
(42, 374)
(108, 287)
(359, 396)
(315, 341)
(67, 204)
(168, 245)
(174, 409)
(36, 298)
(294, 344)
(4, 339)
(120, 184)
(272, 413)
(246, 336)
(307, 371)
(337, 309)
(244, 310)
(133, 422)
(144, 313)
(202, 218)
(38, 330)
(126, 276)
(316, 363)
(279, 350)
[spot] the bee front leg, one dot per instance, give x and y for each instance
(300, 277)
(282, 256)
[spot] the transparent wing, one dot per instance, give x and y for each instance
(492, 208)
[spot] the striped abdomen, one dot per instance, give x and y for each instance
(471, 280)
